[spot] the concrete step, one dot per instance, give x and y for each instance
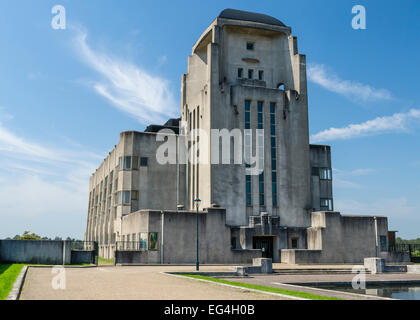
(316, 271)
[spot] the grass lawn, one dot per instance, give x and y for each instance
(103, 261)
(264, 288)
(8, 275)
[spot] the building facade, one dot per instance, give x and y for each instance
(245, 92)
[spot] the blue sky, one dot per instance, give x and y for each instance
(65, 95)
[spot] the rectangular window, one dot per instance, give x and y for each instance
(135, 162)
(127, 162)
(126, 197)
(250, 46)
(143, 162)
(153, 240)
(260, 75)
(261, 189)
(260, 115)
(143, 240)
(295, 242)
(247, 114)
(240, 72)
(326, 204)
(273, 141)
(250, 74)
(315, 171)
(119, 197)
(134, 195)
(325, 174)
(383, 243)
(248, 191)
(121, 163)
(248, 151)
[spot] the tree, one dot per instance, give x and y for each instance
(27, 235)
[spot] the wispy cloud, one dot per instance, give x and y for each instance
(398, 122)
(130, 88)
(353, 90)
(42, 186)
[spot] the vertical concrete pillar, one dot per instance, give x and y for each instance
(66, 252)
(375, 265)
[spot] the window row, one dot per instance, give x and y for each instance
(323, 173)
(132, 162)
(273, 140)
(326, 204)
(250, 74)
(140, 241)
(125, 197)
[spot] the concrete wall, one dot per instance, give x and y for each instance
(334, 238)
(156, 185)
(320, 188)
(36, 252)
(177, 237)
(82, 257)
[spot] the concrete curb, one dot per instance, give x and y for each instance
(332, 291)
(18, 285)
(236, 287)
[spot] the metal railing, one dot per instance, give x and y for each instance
(83, 245)
(131, 245)
(413, 249)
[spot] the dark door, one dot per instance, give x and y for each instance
(265, 244)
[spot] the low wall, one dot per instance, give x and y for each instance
(82, 256)
(296, 256)
(136, 257)
(153, 257)
(413, 269)
(397, 257)
(35, 251)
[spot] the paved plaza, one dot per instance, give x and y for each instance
(130, 283)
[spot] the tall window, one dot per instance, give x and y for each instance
(248, 150)
(261, 150)
(240, 72)
(273, 140)
(250, 74)
(261, 75)
(261, 187)
(325, 174)
(327, 204)
(126, 198)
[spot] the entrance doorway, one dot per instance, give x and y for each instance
(265, 244)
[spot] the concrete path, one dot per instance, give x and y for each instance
(130, 283)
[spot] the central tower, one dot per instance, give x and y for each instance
(245, 73)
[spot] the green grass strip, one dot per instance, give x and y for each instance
(263, 288)
(104, 261)
(8, 275)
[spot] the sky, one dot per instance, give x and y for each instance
(66, 94)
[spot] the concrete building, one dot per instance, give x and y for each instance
(247, 80)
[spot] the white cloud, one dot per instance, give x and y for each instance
(353, 90)
(128, 87)
(41, 186)
(398, 122)
(397, 207)
(362, 172)
(345, 184)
